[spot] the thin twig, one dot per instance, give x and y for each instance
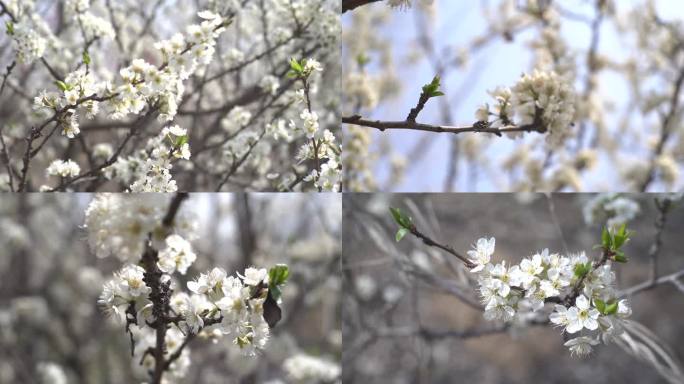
(672, 278)
(556, 222)
(653, 253)
(447, 248)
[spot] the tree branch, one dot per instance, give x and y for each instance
(160, 293)
(412, 125)
(349, 5)
(446, 248)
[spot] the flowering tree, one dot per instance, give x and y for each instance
(128, 95)
(157, 266)
(576, 292)
(590, 95)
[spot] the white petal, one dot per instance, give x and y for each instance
(582, 302)
(590, 324)
(574, 326)
(594, 313)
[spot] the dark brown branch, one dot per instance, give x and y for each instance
(666, 130)
(173, 208)
(412, 125)
(8, 71)
(663, 208)
(174, 356)
(348, 5)
(413, 113)
(160, 294)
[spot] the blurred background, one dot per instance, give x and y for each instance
(391, 289)
(50, 282)
(477, 46)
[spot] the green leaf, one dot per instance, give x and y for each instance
(296, 66)
(582, 269)
(396, 214)
(275, 292)
(432, 89)
(278, 275)
(611, 308)
(600, 305)
(362, 59)
(401, 218)
(606, 238)
(622, 236)
(181, 140)
(400, 234)
(86, 58)
(10, 28)
(620, 257)
(62, 85)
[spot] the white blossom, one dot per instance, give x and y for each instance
(481, 253)
(177, 256)
(582, 316)
(63, 168)
(581, 346)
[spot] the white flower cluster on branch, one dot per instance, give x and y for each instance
(149, 170)
(63, 168)
(515, 293)
(321, 147)
(94, 61)
(150, 235)
(543, 99)
(582, 290)
(119, 225)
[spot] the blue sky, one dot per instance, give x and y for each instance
(499, 64)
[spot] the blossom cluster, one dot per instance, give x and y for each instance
(143, 84)
(29, 32)
(613, 209)
(92, 26)
(77, 92)
(149, 169)
(518, 292)
(28, 44)
(146, 84)
(118, 225)
(399, 3)
(50, 372)
(215, 304)
(321, 146)
(63, 168)
(303, 368)
(543, 99)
